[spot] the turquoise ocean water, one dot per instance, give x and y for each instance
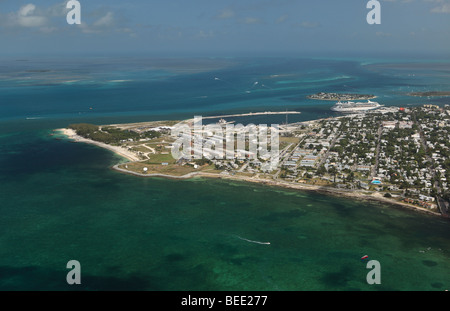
(61, 201)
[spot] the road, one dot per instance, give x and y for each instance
(282, 157)
(325, 156)
(377, 154)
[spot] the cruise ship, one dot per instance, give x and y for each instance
(352, 107)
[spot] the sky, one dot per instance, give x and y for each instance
(224, 28)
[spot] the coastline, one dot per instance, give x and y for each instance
(71, 134)
(358, 195)
(319, 189)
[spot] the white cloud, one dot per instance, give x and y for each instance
(28, 16)
(53, 19)
(57, 10)
(226, 14)
(105, 21)
(31, 17)
(27, 10)
(444, 8)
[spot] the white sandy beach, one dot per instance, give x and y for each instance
(71, 134)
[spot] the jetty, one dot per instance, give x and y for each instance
(249, 114)
(252, 114)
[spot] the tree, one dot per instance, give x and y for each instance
(351, 177)
(321, 170)
(404, 185)
(201, 162)
(333, 171)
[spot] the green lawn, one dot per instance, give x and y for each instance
(160, 158)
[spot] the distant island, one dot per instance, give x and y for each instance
(432, 93)
(339, 96)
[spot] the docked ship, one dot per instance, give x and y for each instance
(352, 107)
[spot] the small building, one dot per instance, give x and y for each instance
(363, 168)
(389, 124)
(426, 198)
(308, 163)
(364, 185)
(290, 164)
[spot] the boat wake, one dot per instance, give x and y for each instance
(250, 241)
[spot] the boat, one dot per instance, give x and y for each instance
(352, 107)
(225, 122)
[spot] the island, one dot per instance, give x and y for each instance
(394, 155)
(340, 96)
(430, 94)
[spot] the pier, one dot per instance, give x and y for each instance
(249, 114)
(253, 114)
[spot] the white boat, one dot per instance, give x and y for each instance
(352, 107)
